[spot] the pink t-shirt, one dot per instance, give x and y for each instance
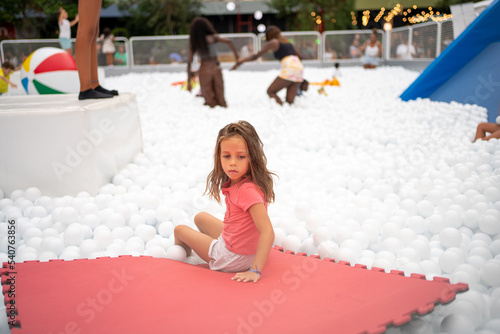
(239, 232)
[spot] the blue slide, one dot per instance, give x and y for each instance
(468, 70)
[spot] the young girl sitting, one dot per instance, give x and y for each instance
(242, 242)
(292, 69)
(202, 40)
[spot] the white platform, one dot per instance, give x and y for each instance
(64, 146)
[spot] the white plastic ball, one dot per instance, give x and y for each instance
(309, 246)
(495, 307)
(490, 273)
(450, 259)
(450, 237)
(457, 324)
(115, 220)
(31, 232)
(176, 252)
(489, 224)
(354, 185)
(52, 244)
(103, 236)
(292, 242)
(122, 233)
(68, 215)
(279, 236)
(32, 193)
(300, 232)
(135, 244)
(163, 213)
(145, 232)
(34, 242)
(328, 249)
(46, 256)
(166, 229)
(302, 211)
(136, 220)
(70, 254)
(73, 235)
(435, 223)
(425, 208)
(156, 251)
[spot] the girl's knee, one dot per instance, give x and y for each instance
(180, 229)
(199, 218)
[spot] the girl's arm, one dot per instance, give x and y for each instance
(189, 61)
(72, 23)
(363, 47)
(266, 231)
(271, 45)
(219, 39)
(8, 81)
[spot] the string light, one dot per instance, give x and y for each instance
(353, 18)
(366, 17)
(394, 12)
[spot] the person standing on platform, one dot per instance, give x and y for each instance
(86, 51)
(65, 29)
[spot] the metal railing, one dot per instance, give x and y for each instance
(423, 41)
(21, 48)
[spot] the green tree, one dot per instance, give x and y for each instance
(37, 18)
(160, 17)
(311, 14)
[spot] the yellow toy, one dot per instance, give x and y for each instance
(327, 82)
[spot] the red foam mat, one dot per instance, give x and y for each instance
(297, 294)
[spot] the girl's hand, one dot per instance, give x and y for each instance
(247, 276)
(189, 85)
(238, 63)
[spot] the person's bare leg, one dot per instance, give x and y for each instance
(85, 51)
(291, 92)
(277, 85)
(209, 224)
(190, 239)
(484, 128)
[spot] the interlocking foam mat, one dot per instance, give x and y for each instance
(297, 294)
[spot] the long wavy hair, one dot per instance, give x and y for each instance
(199, 29)
(275, 32)
(258, 171)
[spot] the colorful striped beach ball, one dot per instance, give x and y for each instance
(50, 71)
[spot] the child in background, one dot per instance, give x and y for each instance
(336, 71)
(108, 45)
(492, 128)
(65, 29)
(202, 41)
(292, 69)
(5, 72)
(242, 242)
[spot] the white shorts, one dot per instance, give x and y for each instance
(225, 260)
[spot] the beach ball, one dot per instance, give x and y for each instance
(50, 71)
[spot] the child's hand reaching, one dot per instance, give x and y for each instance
(247, 276)
(236, 65)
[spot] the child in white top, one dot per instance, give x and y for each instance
(65, 29)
